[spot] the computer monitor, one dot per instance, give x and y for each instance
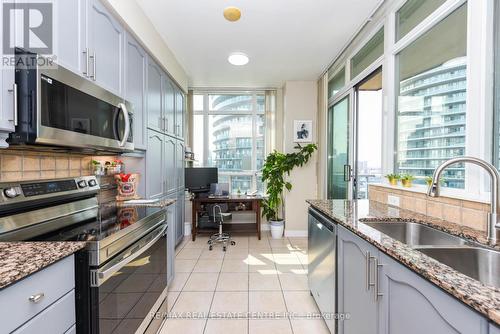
(198, 180)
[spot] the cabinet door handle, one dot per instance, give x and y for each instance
(14, 99)
(376, 281)
(87, 62)
(368, 276)
(94, 66)
(36, 298)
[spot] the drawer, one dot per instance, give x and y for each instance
(53, 281)
(55, 319)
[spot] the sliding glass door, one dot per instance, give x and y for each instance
(355, 140)
(339, 172)
(368, 134)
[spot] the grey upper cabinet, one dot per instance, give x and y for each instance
(70, 47)
(407, 294)
(179, 164)
(355, 284)
(155, 185)
(6, 97)
(154, 97)
(494, 329)
(179, 113)
(170, 154)
(135, 88)
(106, 41)
(169, 106)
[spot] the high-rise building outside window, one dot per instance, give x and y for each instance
(234, 138)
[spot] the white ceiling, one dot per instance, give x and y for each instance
(285, 39)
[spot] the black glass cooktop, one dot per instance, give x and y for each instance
(108, 221)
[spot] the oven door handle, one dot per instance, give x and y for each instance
(99, 277)
(123, 109)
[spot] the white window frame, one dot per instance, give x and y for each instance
(254, 112)
(480, 62)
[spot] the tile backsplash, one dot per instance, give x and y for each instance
(27, 165)
(460, 211)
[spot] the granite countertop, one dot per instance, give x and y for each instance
(21, 259)
(350, 214)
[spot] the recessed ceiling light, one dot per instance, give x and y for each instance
(238, 58)
(232, 14)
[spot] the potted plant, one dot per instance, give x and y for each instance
(428, 181)
(407, 180)
(274, 171)
(393, 179)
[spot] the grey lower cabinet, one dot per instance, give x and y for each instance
(494, 329)
(135, 88)
(355, 284)
(406, 295)
(171, 219)
(43, 302)
(180, 221)
(383, 296)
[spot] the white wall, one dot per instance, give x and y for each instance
(133, 17)
(300, 102)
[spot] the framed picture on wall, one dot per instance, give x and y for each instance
(303, 131)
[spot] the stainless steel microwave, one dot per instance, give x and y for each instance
(54, 106)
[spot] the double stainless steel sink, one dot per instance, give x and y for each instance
(466, 257)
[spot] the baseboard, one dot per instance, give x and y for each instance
(265, 227)
(295, 233)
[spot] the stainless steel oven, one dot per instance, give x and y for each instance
(121, 275)
(55, 106)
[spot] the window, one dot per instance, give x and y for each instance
(232, 133)
(336, 83)
(370, 52)
(412, 13)
(432, 75)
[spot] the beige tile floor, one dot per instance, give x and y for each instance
(256, 287)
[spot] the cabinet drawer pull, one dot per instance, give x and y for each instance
(36, 298)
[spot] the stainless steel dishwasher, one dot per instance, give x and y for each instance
(322, 265)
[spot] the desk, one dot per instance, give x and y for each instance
(251, 204)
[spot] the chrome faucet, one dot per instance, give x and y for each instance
(494, 215)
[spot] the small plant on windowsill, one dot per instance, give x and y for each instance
(407, 180)
(393, 179)
(428, 181)
(274, 172)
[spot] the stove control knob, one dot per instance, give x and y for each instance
(82, 184)
(92, 183)
(10, 192)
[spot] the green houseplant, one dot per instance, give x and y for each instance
(393, 179)
(407, 180)
(274, 171)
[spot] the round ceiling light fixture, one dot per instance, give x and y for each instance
(232, 14)
(238, 59)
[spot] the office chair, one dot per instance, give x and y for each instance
(220, 237)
